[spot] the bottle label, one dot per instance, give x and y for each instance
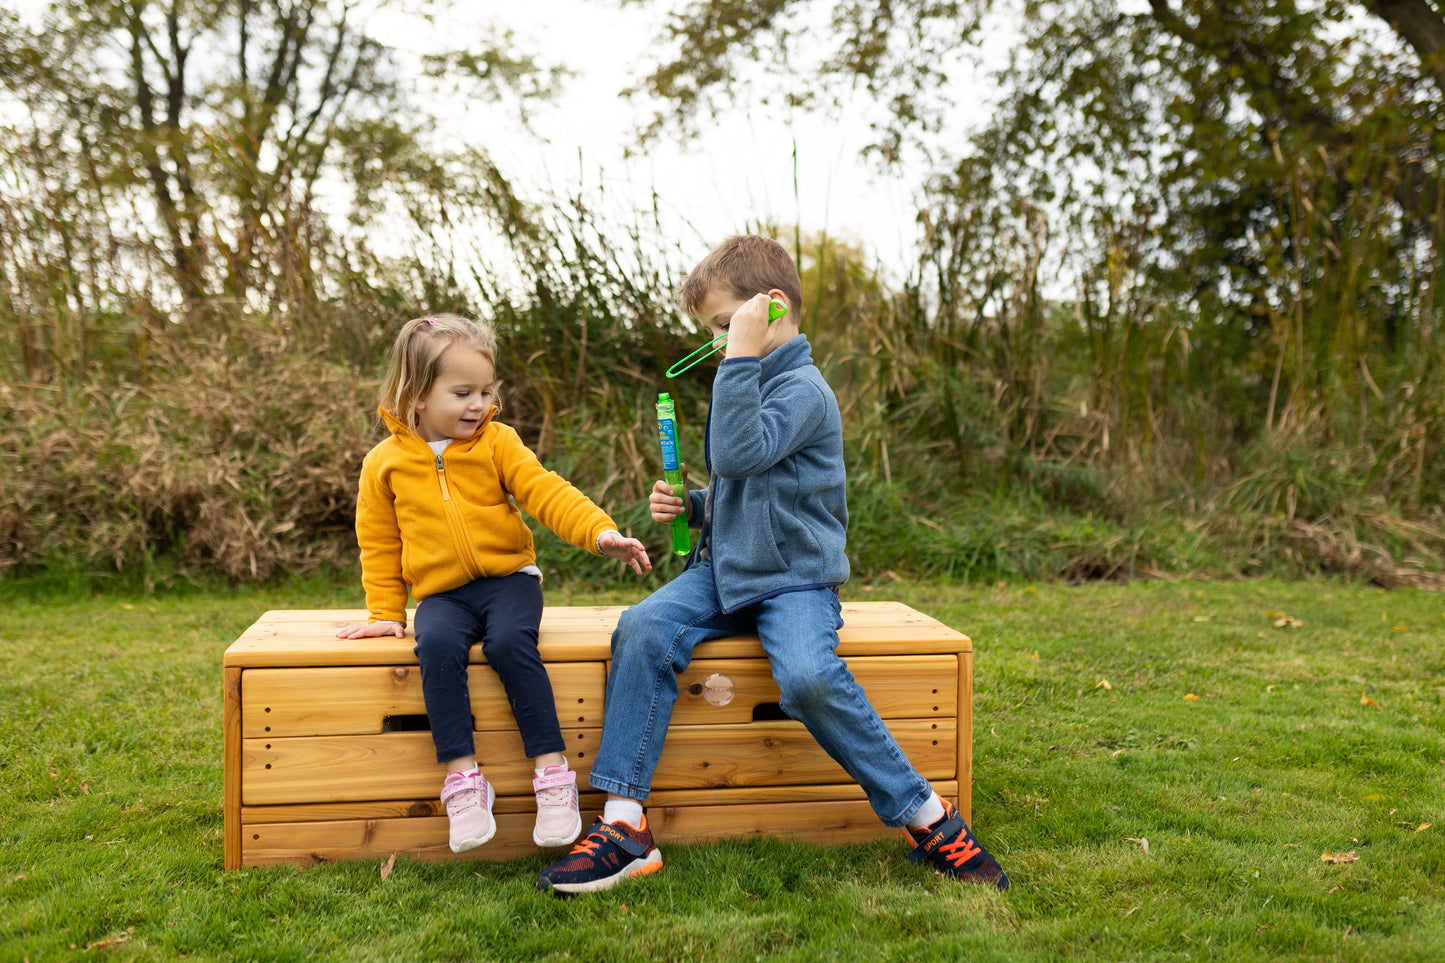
(667, 435)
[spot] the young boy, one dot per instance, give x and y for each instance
(769, 559)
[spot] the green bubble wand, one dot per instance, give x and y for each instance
(776, 309)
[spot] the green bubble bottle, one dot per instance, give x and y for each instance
(672, 470)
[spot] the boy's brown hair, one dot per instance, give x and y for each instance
(744, 265)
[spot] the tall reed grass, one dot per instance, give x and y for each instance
(992, 431)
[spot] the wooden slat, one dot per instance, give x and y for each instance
(899, 686)
(400, 765)
(231, 767)
(828, 823)
(568, 634)
(964, 802)
(392, 765)
(783, 753)
(304, 844)
(591, 802)
(343, 700)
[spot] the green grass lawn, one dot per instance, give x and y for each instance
(1161, 768)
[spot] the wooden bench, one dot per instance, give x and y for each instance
(327, 755)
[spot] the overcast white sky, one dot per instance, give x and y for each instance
(739, 173)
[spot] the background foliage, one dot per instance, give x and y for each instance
(1175, 308)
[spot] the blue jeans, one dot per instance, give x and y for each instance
(504, 615)
(654, 641)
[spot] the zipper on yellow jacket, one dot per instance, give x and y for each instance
(457, 526)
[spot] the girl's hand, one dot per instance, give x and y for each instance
(665, 501)
(371, 630)
(630, 550)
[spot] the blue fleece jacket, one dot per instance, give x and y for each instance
(779, 514)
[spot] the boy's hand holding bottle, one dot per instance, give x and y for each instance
(614, 544)
(666, 501)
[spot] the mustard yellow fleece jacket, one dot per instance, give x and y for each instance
(436, 522)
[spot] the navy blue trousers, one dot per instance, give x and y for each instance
(504, 615)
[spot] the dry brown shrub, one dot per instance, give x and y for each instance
(242, 466)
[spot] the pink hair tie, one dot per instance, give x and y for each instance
(431, 320)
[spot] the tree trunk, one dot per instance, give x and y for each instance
(1419, 24)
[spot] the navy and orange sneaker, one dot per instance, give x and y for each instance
(607, 855)
(953, 852)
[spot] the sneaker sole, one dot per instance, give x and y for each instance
(474, 842)
(552, 841)
(645, 866)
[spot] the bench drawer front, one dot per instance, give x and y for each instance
(391, 765)
(357, 699)
(899, 686)
(783, 753)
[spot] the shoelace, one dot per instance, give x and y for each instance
(589, 844)
(464, 800)
(556, 796)
(960, 851)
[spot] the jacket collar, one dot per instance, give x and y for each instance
(410, 439)
(795, 353)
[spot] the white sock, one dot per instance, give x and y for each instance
(623, 810)
(543, 771)
(928, 814)
(468, 772)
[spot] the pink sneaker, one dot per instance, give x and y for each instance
(468, 798)
(558, 821)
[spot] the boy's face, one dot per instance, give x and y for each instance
(460, 397)
(716, 311)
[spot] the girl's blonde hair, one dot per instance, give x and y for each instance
(416, 358)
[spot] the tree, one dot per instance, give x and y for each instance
(204, 133)
(1239, 201)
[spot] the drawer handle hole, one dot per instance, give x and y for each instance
(769, 712)
(406, 723)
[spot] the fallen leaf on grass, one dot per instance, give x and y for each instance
(1420, 828)
(1104, 684)
(386, 866)
(112, 942)
(1191, 697)
(1329, 857)
(1287, 623)
(1336, 889)
(1143, 843)
(1366, 701)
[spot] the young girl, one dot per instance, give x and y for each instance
(437, 513)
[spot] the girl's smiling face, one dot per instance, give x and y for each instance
(460, 398)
